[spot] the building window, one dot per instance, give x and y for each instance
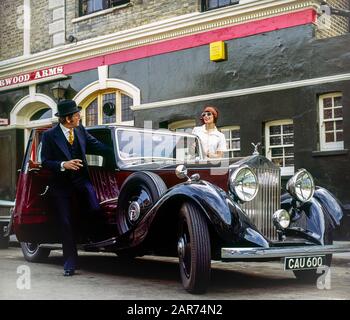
(42, 114)
(279, 142)
(91, 114)
(91, 6)
(108, 107)
(127, 113)
(215, 4)
(331, 122)
(233, 141)
(183, 126)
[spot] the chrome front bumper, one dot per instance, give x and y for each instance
(281, 252)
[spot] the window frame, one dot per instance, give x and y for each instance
(109, 6)
(285, 171)
(118, 106)
(328, 146)
(205, 5)
(231, 128)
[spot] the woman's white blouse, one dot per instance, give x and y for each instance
(212, 140)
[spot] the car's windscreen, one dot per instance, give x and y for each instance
(156, 145)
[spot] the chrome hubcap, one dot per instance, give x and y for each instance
(181, 247)
(134, 211)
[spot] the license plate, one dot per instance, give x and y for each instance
(304, 262)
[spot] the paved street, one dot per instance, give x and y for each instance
(105, 276)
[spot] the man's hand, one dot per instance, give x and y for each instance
(74, 164)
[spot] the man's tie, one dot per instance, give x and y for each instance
(71, 136)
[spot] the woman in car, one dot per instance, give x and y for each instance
(212, 140)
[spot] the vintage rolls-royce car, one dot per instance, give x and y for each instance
(160, 196)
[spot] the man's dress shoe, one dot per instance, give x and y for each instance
(68, 273)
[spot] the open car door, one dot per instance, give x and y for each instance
(33, 221)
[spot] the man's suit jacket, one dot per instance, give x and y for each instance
(55, 150)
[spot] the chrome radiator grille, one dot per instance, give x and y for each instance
(267, 201)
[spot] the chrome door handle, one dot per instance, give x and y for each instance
(46, 189)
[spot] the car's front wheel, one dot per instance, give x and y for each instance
(194, 249)
(32, 252)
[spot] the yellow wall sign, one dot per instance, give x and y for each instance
(217, 51)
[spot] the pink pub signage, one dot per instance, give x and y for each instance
(31, 76)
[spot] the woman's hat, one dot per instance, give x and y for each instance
(66, 107)
(211, 109)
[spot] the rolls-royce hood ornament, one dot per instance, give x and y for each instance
(256, 151)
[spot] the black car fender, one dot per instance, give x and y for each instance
(330, 204)
(224, 216)
(315, 218)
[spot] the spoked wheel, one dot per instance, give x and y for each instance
(138, 194)
(194, 249)
(33, 253)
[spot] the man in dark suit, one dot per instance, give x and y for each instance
(63, 152)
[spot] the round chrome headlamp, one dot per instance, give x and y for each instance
(244, 183)
(301, 186)
(281, 219)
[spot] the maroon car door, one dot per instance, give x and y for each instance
(33, 221)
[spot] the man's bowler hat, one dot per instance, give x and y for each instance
(66, 107)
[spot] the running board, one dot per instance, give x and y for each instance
(100, 244)
(85, 246)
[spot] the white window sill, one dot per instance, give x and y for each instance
(324, 153)
(100, 13)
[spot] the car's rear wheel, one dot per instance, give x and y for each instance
(32, 252)
(311, 276)
(138, 194)
(194, 249)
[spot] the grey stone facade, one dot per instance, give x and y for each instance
(57, 27)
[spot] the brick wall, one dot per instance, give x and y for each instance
(40, 19)
(338, 25)
(50, 29)
(11, 29)
(139, 12)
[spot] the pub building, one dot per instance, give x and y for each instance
(278, 72)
